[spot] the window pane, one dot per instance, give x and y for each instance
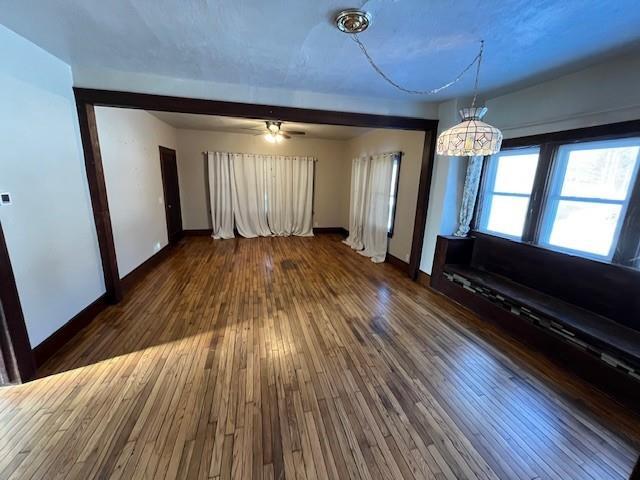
(507, 214)
(602, 172)
(515, 172)
(586, 227)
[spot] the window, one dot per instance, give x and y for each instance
(576, 192)
(589, 196)
(393, 196)
(507, 191)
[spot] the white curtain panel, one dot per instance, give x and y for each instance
(290, 195)
(249, 192)
(359, 186)
(374, 234)
(264, 194)
(219, 166)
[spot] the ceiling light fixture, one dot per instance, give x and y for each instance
(274, 137)
(472, 136)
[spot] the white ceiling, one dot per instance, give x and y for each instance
(243, 125)
(294, 45)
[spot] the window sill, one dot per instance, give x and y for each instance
(478, 233)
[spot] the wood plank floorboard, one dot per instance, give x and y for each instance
(297, 358)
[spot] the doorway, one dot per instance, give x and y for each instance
(16, 358)
(169, 169)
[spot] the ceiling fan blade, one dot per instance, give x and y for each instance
(294, 132)
(285, 135)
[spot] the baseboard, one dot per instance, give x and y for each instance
(133, 277)
(396, 262)
(54, 342)
(197, 232)
(335, 230)
(424, 279)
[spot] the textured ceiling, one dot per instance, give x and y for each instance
(293, 45)
(242, 125)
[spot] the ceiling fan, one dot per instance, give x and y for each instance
(275, 134)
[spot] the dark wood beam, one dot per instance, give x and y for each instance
(422, 206)
(86, 99)
(99, 202)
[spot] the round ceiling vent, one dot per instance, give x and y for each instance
(353, 20)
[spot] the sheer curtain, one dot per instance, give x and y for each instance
(290, 195)
(370, 201)
(219, 166)
(359, 182)
(264, 194)
(249, 188)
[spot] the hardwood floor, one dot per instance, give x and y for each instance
(297, 358)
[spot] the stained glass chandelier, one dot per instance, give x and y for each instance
(471, 137)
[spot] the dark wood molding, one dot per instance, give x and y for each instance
(422, 206)
(600, 132)
(200, 232)
(539, 192)
(16, 348)
(397, 263)
(138, 273)
(52, 344)
(635, 474)
(627, 250)
(99, 202)
(333, 230)
(110, 98)
(86, 99)
(395, 199)
(424, 279)
(64, 334)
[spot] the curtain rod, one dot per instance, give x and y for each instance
(267, 154)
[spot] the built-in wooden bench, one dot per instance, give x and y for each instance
(583, 312)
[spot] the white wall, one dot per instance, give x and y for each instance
(446, 189)
(601, 94)
(331, 198)
(49, 228)
(129, 141)
(411, 144)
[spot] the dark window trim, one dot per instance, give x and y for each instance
(627, 250)
(395, 199)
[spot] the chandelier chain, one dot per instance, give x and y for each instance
(477, 59)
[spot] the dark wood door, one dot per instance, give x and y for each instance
(171, 189)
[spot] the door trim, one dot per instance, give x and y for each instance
(18, 357)
(87, 99)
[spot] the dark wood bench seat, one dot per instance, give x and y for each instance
(609, 336)
(582, 314)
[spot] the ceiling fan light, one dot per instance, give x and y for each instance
(273, 127)
(471, 137)
(270, 137)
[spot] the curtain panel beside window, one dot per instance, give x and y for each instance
(371, 183)
(262, 195)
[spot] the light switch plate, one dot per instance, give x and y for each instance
(5, 198)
